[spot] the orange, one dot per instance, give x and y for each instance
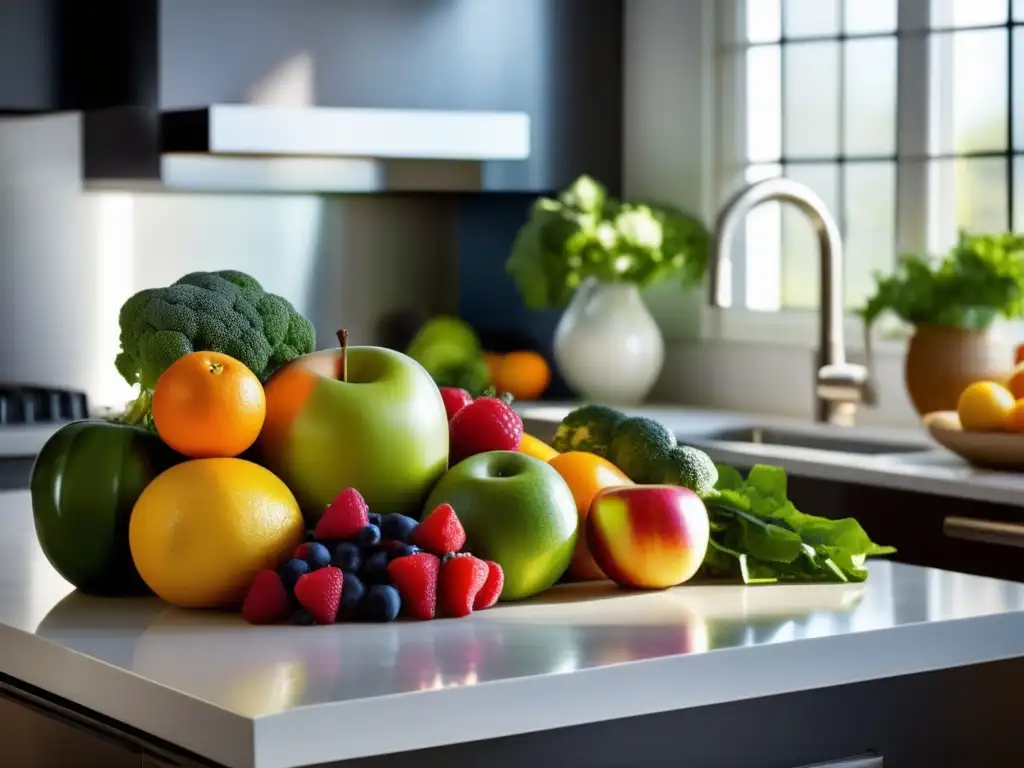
(1015, 418)
(984, 405)
(533, 446)
(493, 362)
(1015, 383)
(208, 405)
(525, 375)
(202, 530)
(586, 474)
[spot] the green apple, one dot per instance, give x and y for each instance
(369, 418)
(518, 512)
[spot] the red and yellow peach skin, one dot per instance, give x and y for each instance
(648, 536)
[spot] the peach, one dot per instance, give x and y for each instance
(648, 536)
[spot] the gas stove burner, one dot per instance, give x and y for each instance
(20, 404)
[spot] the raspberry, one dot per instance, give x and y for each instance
(455, 400)
(267, 601)
(344, 517)
(491, 590)
(440, 532)
(460, 580)
(319, 592)
(486, 424)
(415, 576)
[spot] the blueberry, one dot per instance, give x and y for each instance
(347, 557)
(397, 527)
(317, 555)
(369, 536)
(382, 603)
(301, 618)
(402, 550)
(375, 570)
(291, 571)
(375, 519)
(352, 591)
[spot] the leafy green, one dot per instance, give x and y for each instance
(759, 536)
(980, 279)
(585, 232)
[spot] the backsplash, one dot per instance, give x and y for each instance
(69, 258)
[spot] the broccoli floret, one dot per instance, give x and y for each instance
(691, 468)
(225, 311)
(589, 428)
(640, 448)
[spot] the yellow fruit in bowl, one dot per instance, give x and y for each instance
(985, 406)
(202, 530)
(534, 446)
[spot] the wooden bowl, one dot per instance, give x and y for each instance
(992, 450)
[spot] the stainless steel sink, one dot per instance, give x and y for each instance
(818, 442)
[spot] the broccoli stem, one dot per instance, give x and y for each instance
(140, 408)
(343, 341)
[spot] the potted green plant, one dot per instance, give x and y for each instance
(592, 254)
(952, 304)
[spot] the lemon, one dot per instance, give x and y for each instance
(984, 405)
(202, 530)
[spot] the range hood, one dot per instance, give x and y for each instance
(249, 148)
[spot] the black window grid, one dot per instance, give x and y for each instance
(841, 160)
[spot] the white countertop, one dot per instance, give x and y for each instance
(931, 470)
(271, 697)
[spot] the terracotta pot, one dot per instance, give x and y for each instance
(942, 361)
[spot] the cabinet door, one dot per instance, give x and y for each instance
(27, 80)
(33, 739)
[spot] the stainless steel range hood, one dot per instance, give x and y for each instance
(243, 148)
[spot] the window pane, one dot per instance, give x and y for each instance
(862, 16)
(764, 103)
(870, 226)
(808, 18)
(800, 260)
(764, 247)
(764, 22)
(969, 91)
(870, 88)
(1018, 10)
(967, 13)
(1018, 194)
(1018, 85)
(966, 193)
(811, 93)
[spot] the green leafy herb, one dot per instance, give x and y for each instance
(759, 536)
(980, 279)
(585, 232)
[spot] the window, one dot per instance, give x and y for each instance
(905, 116)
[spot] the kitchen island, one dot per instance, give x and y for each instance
(917, 667)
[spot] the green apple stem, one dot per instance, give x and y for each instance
(343, 341)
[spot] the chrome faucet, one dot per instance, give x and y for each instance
(839, 386)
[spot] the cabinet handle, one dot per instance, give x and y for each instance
(987, 531)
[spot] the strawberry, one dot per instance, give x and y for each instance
(267, 600)
(344, 517)
(455, 400)
(415, 576)
(440, 532)
(460, 580)
(486, 424)
(491, 590)
(319, 592)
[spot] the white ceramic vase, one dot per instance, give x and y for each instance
(608, 347)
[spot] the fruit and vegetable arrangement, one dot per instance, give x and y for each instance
(313, 487)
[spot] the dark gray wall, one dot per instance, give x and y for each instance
(27, 51)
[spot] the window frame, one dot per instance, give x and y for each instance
(916, 185)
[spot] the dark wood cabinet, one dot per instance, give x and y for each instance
(28, 56)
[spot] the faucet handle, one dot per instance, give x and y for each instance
(845, 382)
